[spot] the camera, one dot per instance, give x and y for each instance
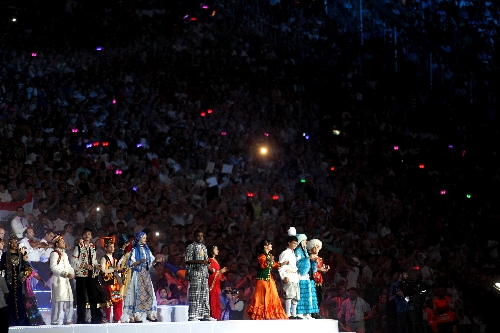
(230, 291)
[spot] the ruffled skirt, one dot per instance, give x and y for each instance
(266, 303)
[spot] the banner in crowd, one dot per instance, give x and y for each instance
(8, 209)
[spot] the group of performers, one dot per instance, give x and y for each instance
(119, 282)
(300, 269)
(123, 281)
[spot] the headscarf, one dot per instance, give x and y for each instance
(139, 253)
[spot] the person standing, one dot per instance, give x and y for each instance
(354, 312)
(140, 298)
(13, 263)
(19, 223)
(197, 265)
(62, 294)
(308, 304)
(266, 303)
(111, 284)
(396, 294)
(290, 277)
(84, 262)
(216, 275)
(313, 247)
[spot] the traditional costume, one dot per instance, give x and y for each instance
(197, 276)
(62, 295)
(317, 275)
(290, 271)
(87, 284)
(140, 297)
(111, 282)
(308, 303)
(14, 266)
(214, 279)
(266, 303)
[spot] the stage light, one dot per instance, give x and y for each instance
(263, 150)
(113, 101)
(450, 146)
(88, 145)
(14, 19)
(203, 113)
(396, 147)
(468, 196)
(276, 197)
(332, 168)
(463, 153)
(99, 48)
(250, 194)
(443, 192)
(96, 144)
(336, 132)
(33, 54)
(496, 285)
(266, 134)
(210, 111)
(223, 133)
(421, 166)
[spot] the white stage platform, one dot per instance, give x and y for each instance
(247, 326)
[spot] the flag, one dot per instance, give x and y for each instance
(8, 210)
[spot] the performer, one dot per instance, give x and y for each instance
(313, 247)
(111, 283)
(266, 303)
(29, 299)
(126, 275)
(14, 265)
(197, 263)
(62, 295)
(37, 253)
(290, 277)
(84, 262)
(216, 275)
(308, 303)
(140, 298)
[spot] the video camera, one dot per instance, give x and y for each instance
(231, 291)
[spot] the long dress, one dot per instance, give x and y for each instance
(266, 303)
(30, 303)
(140, 298)
(214, 280)
(14, 266)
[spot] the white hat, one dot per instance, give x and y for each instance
(292, 231)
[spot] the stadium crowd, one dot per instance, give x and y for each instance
(143, 115)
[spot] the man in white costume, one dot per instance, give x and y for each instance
(289, 275)
(62, 272)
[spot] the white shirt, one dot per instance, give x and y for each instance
(33, 253)
(5, 196)
(290, 270)
(18, 225)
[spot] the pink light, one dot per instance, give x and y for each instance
(114, 101)
(266, 134)
(33, 54)
(210, 111)
(443, 192)
(396, 147)
(74, 130)
(223, 133)
(205, 7)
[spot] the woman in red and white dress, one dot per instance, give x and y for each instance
(215, 276)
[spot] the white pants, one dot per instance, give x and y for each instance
(62, 312)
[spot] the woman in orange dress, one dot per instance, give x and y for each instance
(215, 276)
(266, 303)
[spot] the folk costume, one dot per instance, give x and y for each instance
(87, 284)
(308, 304)
(140, 297)
(266, 303)
(290, 271)
(214, 279)
(197, 276)
(30, 303)
(62, 295)
(15, 266)
(111, 282)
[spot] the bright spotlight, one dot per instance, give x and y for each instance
(496, 285)
(263, 150)
(14, 19)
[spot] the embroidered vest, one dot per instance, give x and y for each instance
(265, 274)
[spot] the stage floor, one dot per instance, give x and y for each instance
(250, 326)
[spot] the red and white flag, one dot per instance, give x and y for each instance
(8, 210)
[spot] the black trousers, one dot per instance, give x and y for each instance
(4, 318)
(86, 292)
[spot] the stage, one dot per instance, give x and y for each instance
(250, 326)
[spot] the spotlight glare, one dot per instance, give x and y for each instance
(263, 150)
(496, 285)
